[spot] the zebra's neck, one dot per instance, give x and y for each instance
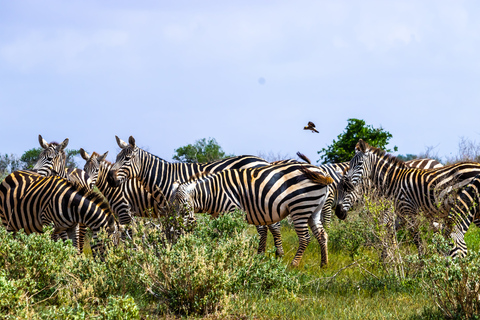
(101, 181)
(384, 171)
(157, 175)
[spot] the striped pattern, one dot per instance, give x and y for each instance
(29, 201)
(130, 198)
(465, 210)
(267, 195)
(413, 190)
(423, 163)
(52, 161)
(158, 176)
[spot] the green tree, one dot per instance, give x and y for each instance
(344, 148)
(201, 151)
(29, 157)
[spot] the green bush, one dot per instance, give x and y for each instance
(454, 283)
(197, 274)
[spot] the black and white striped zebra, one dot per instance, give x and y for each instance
(52, 161)
(130, 198)
(333, 170)
(29, 201)
(267, 195)
(157, 176)
(432, 191)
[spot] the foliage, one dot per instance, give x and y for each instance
(344, 148)
(8, 164)
(201, 151)
(30, 157)
(407, 157)
(41, 279)
(453, 282)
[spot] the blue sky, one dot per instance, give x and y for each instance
(250, 74)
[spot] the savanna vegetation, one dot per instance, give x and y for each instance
(211, 270)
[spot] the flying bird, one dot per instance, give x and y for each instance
(311, 126)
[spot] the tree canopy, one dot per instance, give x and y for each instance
(343, 149)
(201, 151)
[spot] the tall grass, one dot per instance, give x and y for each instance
(214, 272)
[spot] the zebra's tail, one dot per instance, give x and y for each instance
(303, 157)
(316, 177)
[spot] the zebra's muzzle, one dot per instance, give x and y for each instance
(340, 213)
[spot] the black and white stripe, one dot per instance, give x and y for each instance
(130, 198)
(267, 195)
(29, 201)
(52, 161)
(158, 176)
(433, 191)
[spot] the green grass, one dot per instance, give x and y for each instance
(354, 292)
(214, 272)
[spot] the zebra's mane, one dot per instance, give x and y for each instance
(363, 146)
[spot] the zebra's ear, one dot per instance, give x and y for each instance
(102, 157)
(122, 144)
(131, 140)
(361, 146)
(44, 144)
(84, 154)
(62, 145)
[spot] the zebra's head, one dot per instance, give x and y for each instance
(349, 188)
(127, 165)
(92, 165)
(52, 159)
(182, 200)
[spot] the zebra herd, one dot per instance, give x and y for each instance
(142, 184)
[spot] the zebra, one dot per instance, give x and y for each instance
(333, 170)
(465, 210)
(29, 201)
(158, 176)
(129, 198)
(267, 195)
(52, 161)
(432, 191)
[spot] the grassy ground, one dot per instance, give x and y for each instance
(357, 291)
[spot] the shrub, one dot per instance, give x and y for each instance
(454, 283)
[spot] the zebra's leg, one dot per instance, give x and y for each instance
(277, 238)
(327, 213)
(262, 232)
(321, 236)
(301, 228)
(81, 231)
